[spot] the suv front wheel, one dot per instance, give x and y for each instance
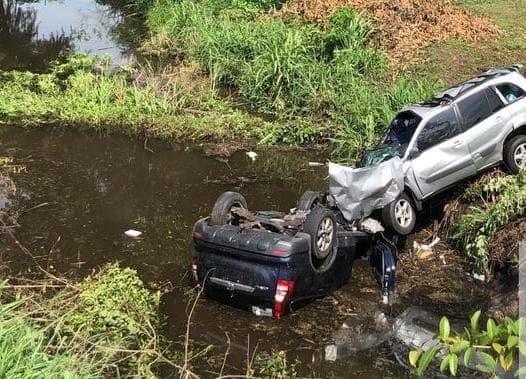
(515, 153)
(400, 215)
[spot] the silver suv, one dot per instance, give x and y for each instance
(460, 132)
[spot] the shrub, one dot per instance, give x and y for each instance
(504, 201)
(113, 302)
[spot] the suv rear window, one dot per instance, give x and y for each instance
(438, 129)
(511, 92)
(495, 102)
(474, 109)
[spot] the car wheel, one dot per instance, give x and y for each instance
(515, 154)
(321, 225)
(222, 211)
(308, 200)
(400, 215)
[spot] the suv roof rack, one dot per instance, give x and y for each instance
(450, 94)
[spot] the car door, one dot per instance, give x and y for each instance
(443, 156)
(485, 122)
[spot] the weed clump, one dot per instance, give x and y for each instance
(113, 302)
(104, 326)
(502, 200)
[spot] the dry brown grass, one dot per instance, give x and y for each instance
(403, 27)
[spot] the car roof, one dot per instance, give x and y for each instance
(449, 95)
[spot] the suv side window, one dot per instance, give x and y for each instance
(511, 92)
(474, 109)
(438, 129)
(495, 102)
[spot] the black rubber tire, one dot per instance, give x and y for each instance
(389, 217)
(323, 256)
(308, 200)
(509, 151)
(221, 211)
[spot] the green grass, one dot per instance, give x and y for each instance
(300, 73)
(453, 60)
(105, 326)
(78, 93)
(24, 350)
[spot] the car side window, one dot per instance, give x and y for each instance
(474, 109)
(495, 102)
(438, 129)
(511, 92)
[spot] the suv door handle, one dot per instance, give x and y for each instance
(457, 142)
(499, 118)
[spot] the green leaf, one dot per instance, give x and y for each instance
(445, 363)
(468, 355)
(497, 347)
(522, 347)
(444, 328)
(413, 357)
(474, 322)
(459, 346)
(512, 341)
(453, 364)
(489, 361)
(491, 328)
(426, 359)
(506, 361)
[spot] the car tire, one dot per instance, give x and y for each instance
(308, 200)
(223, 206)
(515, 153)
(321, 225)
(400, 215)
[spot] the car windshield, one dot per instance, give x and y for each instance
(401, 131)
(395, 143)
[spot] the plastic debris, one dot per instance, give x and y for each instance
(480, 277)
(132, 233)
(316, 164)
(423, 251)
(252, 155)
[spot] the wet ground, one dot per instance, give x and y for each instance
(75, 194)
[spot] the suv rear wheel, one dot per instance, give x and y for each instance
(515, 153)
(222, 211)
(400, 215)
(320, 224)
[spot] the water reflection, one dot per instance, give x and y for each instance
(20, 45)
(32, 33)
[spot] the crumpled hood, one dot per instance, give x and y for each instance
(359, 191)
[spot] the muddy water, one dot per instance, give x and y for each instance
(32, 33)
(75, 195)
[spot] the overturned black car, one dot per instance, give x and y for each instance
(270, 262)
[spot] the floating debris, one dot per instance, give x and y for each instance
(252, 155)
(133, 233)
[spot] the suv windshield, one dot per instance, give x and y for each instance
(401, 130)
(399, 134)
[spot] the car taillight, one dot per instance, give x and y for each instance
(280, 252)
(194, 269)
(197, 235)
(284, 290)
